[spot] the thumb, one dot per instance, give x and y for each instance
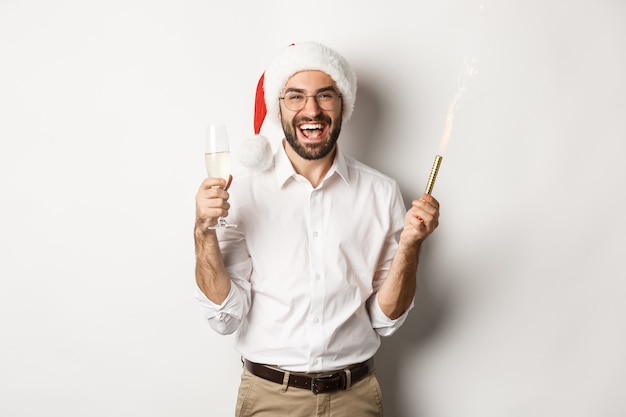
(230, 180)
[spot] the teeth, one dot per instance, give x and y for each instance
(311, 126)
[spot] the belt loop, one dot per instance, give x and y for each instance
(285, 381)
(348, 378)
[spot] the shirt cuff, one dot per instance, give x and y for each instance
(383, 325)
(212, 311)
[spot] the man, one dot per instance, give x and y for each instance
(324, 257)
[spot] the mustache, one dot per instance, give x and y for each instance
(304, 119)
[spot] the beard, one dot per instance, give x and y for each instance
(315, 151)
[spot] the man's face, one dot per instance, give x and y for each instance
(312, 131)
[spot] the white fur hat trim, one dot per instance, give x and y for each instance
(305, 56)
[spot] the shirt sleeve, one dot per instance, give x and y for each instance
(383, 325)
(225, 318)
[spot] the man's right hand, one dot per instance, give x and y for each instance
(212, 201)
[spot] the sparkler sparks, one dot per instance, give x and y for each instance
(467, 71)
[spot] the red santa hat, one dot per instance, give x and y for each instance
(257, 151)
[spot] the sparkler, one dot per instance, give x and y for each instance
(467, 71)
(433, 174)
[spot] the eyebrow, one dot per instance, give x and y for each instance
(302, 90)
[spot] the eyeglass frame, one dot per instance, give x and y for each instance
(306, 98)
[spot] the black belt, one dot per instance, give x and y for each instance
(317, 383)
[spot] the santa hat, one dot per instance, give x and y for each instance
(257, 151)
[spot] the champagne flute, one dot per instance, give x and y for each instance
(217, 160)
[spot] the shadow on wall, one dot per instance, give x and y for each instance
(361, 132)
(424, 322)
(428, 315)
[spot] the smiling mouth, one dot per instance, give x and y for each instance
(312, 130)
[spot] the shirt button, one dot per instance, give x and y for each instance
(318, 277)
(314, 234)
(316, 320)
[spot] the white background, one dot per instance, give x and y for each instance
(103, 106)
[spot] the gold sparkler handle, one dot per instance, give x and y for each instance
(433, 174)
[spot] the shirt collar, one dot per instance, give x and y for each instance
(284, 169)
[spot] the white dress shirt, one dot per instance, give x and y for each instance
(306, 264)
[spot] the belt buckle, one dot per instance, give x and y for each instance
(315, 387)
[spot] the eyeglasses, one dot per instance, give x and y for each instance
(295, 101)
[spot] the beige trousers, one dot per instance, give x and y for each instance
(261, 398)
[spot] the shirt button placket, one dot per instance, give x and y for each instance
(317, 281)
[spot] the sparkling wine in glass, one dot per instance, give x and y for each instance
(217, 160)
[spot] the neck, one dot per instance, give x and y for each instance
(313, 170)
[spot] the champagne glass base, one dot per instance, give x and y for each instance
(221, 224)
(226, 226)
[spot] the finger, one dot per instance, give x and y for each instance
(423, 213)
(424, 217)
(211, 200)
(209, 209)
(213, 182)
(424, 208)
(427, 200)
(230, 180)
(214, 201)
(214, 193)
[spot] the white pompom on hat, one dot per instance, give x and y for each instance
(256, 152)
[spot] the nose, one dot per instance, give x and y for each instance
(311, 106)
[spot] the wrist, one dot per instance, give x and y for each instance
(410, 248)
(410, 241)
(204, 237)
(201, 228)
